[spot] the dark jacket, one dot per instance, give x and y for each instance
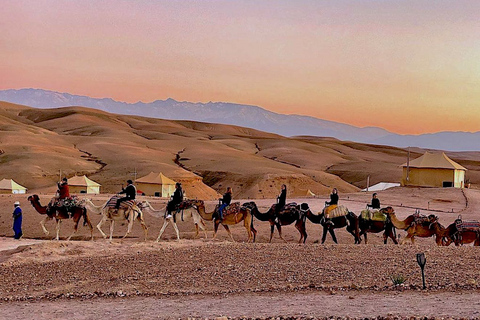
(375, 203)
(63, 191)
(227, 198)
(282, 198)
(130, 191)
(333, 199)
(177, 196)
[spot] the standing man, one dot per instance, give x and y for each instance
(227, 198)
(177, 198)
(130, 193)
(17, 220)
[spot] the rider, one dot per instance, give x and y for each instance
(177, 198)
(227, 198)
(281, 201)
(333, 198)
(375, 202)
(130, 193)
(63, 189)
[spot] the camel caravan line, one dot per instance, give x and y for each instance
(194, 211)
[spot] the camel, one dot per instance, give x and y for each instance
(289, 214)
(112, 215)
(464, 235)
(187, 212)
(350, 221)
(59, 214)
(425, 229)
(372, 226)
(239, 214)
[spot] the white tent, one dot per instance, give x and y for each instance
(81, 184)
(10, 186)
(382, 186)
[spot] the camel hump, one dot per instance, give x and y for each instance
(335, 211)
(232, 208)
(374, 215)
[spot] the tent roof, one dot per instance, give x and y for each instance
(382, 186)
(82, 181)
(9, 184)
(155, 178)
(434, 160)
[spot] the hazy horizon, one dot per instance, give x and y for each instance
(409, 67)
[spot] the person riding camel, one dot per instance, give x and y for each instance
(375, 202)
(177, 198)
(333, 198)
(281, 201)
(130, 193)
(63, 189)
(225, 201)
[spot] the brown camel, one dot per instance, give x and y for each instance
(112, 215)
(461, 236)
(425, 228)
(289, 214)
(238, 215)
(59, 214)
(371, 226)
(350, 221)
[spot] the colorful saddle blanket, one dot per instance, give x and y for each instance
(375, 215)
(467, 225)
(123, 205)
(335, 211)
(68, 203)
(232, 208)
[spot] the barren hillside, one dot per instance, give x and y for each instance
(39, 144)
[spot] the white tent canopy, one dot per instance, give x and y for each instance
(382, 186)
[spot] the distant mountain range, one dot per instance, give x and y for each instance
(247, 116)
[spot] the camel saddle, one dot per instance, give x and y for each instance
(67, 203)
(288, 207)
(375, 215)
(232, 208)
(467, 225)
(123, 205)
(335, 211)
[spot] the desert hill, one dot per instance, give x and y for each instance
(39, 144)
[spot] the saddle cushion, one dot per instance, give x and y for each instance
(288, 206)
(112, 202)
(233, 208)
(375, 215)
(335, 211)
(467, 225)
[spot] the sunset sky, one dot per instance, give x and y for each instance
(407, 66)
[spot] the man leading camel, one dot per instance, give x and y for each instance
(130, 193)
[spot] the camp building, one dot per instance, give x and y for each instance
(81, 184)
(433, 170)
(10, 186)
(155, 184)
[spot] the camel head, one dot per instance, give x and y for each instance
(388, 211)
(33, 198)
(249, 205)
(198, 203)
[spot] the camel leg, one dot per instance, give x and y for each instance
(165, 224)
(303, 232)
(324, 236)
(112, 223)
(129, 228)
(364, 236)
(144, 226)
(203, 227)
(352, 231)
(247, 225)
(197, 229)
(42, 223)
(228, 230)
(75, 228)
(332, 233)
(215, 227)
(86, 218)
(176, 230)
(58, 229)
(272, 230)
(279, 228)
(99, 226)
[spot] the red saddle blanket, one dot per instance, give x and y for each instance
(123, 205)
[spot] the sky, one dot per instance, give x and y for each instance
(410, 67)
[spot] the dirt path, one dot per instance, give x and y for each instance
(461, 305)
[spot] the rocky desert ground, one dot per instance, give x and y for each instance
(201, 278)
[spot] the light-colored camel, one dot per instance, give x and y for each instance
(244, 214)
(424, 230)
(188, 213)
(112, 215)
(59, 214)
